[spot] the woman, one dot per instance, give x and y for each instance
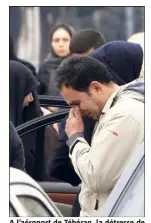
(123, 59)
(23, 98)
(24, 106)
(60, 37)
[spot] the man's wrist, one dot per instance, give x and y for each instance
(73, 138)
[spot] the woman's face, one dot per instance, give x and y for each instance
(28, 99)
(60, 42)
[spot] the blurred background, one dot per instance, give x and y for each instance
(30, 26)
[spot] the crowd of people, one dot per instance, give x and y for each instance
(103, 82)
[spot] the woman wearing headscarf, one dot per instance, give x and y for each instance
(124, 62)
(60, 37)
(24, 106)
(123, 59)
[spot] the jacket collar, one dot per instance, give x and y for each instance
(109, 102)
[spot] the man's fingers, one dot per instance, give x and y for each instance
(71, 114)
(77, 112)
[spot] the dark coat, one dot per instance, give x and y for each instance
(16, 149)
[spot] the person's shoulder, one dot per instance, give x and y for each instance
(124, 110)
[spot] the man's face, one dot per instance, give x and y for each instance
(89, 103)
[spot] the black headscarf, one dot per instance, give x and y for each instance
(22, 82)
(123, 59)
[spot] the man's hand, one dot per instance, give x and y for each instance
(74, 122)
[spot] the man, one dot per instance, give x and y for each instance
(83, 42)
(86, 41)
(87, 85)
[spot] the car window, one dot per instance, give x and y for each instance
(131, 203)
(34, 207)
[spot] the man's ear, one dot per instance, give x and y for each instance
(95, 87)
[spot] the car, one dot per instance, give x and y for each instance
(126, 199)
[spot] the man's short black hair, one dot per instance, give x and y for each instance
(79, 71)
(85, 39)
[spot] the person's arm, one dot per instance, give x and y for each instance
(100, 166)
(17, 158)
